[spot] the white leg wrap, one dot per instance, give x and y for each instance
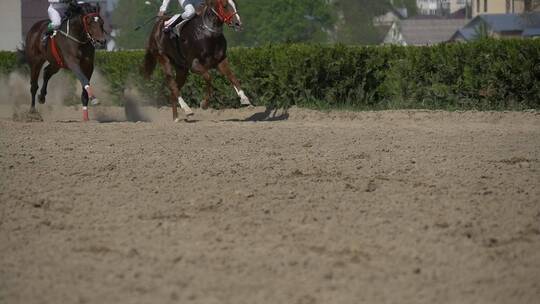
(244, 100)
(184, 106)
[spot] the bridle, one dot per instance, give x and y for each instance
(221, 14)
(85, 26)
(89, 38)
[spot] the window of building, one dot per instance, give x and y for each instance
(478, 6)
(485, 6)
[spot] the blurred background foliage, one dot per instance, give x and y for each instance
(275, 21)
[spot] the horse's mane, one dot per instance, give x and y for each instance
(75, 10)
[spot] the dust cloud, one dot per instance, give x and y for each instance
(63, 91)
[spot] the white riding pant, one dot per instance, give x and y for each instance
(187, 5)
(189, 12)
(189, 9)
(56, 11)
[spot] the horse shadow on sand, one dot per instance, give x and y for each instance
(269, 114)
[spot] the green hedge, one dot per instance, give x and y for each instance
(485, 75)
(8, 62)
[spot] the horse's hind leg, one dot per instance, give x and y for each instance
(34, 76)
(174, 86)
(49, 71)
(225, 69)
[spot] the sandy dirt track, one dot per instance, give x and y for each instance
(378, 207)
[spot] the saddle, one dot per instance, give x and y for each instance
(176, 23)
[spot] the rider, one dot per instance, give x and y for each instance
(189, 11)
(56, 10)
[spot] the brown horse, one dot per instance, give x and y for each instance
(200, 47)
(71, 47)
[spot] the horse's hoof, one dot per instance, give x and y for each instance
(41, 99)
(32, 116)
(94, 101)
(189, 114)
(177, 120)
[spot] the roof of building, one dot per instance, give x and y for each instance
(531, 32)
(459, 14)
(528, 24)
(429, 31)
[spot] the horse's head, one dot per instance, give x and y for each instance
(93, 24)
(91, 21)
(227, 12)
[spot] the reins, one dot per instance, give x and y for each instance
(89, 37)
(220, 14)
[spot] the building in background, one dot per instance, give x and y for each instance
(500, 26)
(456, 5)
(32, 11)
(440, 7)
(390, 17)
(422, 32)
(497, 7)
(427, 7)
(10, 25)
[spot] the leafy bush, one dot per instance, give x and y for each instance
(485, 75)
(8, 61)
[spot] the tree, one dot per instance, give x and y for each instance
(410, 5)
(127, 16)
(531, 5)
(283, 21)
(356, 22)
(264, 20)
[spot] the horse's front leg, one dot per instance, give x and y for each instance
(34, 77)
(181, 76)
(48, 72)
(225, 69)
(174, 86)
(87, 92)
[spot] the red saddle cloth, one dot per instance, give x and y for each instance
(55, 52)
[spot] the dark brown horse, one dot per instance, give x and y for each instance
(200, 47)
(71, 47)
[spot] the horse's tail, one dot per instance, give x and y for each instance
(21, 55)
(150, 63)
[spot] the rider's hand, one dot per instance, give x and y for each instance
(160, 13)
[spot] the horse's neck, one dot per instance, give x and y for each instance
(210, 22)
(72, 26)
